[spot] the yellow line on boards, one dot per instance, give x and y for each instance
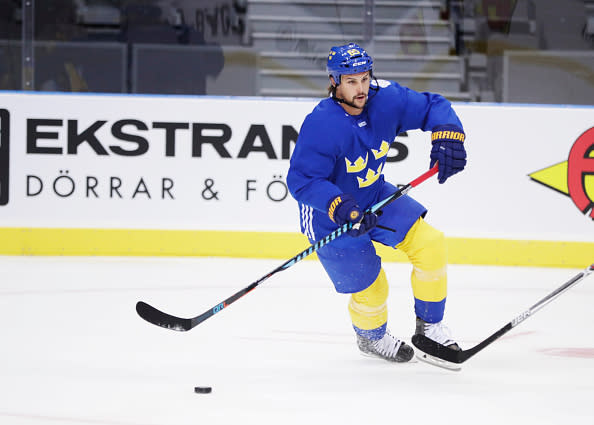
(283, 246)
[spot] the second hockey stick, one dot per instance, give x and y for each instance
(432, 348)
(160, 318)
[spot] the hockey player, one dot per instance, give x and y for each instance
(335, 174)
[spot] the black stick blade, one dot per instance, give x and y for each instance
(437, 350)
(157, 317)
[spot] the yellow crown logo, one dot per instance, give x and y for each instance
(358, 165)
(371, 177)
(383, 150)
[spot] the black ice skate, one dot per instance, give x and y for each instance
(439, 333)
(388, 348)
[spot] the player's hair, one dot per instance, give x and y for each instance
(331, 90)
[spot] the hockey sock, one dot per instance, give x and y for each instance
(368, 309)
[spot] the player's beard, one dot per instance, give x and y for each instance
(359, 102)
(354, 102)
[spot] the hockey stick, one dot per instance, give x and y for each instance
(432, 348)
(159, 318)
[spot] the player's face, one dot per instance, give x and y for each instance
(354, 88)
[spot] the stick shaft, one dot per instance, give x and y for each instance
(159, 318)
(528, 313)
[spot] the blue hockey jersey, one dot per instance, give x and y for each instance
(340, 153)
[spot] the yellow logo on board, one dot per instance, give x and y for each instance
(574, 177)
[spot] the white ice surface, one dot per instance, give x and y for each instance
(74, 351)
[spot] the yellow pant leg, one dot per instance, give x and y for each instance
(425, 247)
(368, 308)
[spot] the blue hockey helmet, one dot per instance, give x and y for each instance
(348, 59)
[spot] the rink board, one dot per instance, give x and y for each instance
(176, 175)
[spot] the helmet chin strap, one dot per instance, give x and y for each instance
(346, 102)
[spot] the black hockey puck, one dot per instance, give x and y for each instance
(202, 390)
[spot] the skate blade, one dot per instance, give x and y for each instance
(373, 356)
(435, 361)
